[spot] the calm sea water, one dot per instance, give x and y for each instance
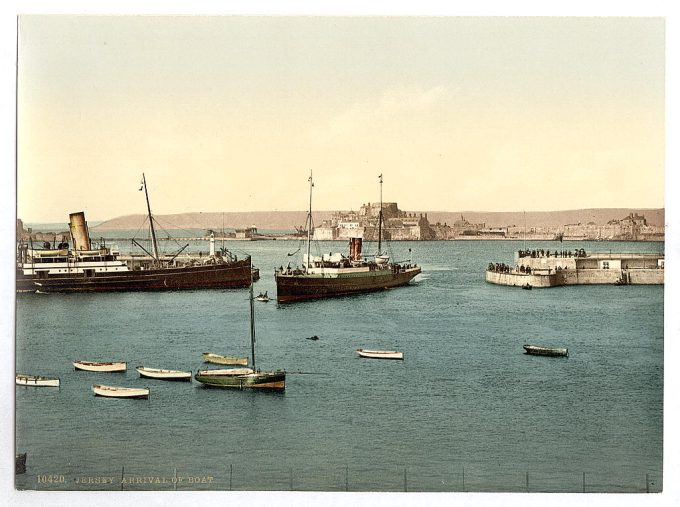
(465, 410)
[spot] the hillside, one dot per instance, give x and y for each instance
(265, 220)
(288, 220)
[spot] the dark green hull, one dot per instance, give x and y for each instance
(258, 380)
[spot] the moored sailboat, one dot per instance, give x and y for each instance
(244, 378)
(336, 275)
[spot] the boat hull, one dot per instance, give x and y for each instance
(275, 380)
(209, 357)
(380, 354)
(120, 392)
(113, 367)
(232, 275)
(36, 381)
(536, 350)
(158, 374)
(301, 287)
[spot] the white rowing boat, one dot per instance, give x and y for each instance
(97, 366)
(120, 392)
(160, 374)
(209, 357)
(381, 354)
(36, 380)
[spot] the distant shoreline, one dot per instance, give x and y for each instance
(289, 220)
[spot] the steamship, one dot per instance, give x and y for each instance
(332, 275)
(78, 267)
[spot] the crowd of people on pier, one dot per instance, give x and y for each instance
(500, 267)
(578, 252)
(534, 254)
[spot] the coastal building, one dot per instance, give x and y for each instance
(464, 228)
(633, 227)
(246, 233)
(397, 224)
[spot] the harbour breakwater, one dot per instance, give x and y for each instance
(545, 269)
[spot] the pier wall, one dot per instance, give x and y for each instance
(519, 279)
(578, 277)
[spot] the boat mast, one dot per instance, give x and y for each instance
(309, 220)
(380, 218)
(252, 321)
(525, 230)
(153, 231)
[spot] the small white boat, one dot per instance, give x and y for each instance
(160, 374)
(36, 380)
(262, 297)
(209, 357)
(97, 366)
(120, 392)
(380, 354)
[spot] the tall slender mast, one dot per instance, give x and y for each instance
(525, 230)
(309, 219)
(380, 218)
(153, 231)
(252, 321)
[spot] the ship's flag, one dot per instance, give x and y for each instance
(141, 185)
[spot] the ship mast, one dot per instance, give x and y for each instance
(380, 218)
(153, 231)
(252, 321)
(309, 220)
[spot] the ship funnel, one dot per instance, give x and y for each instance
(355, 249)
(79, 232)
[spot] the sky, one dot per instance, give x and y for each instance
(231, 113)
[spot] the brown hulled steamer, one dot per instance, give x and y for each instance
(82, 268)
(334, 275)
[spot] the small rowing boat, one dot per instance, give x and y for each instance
(380, 354)
(120, 392)
(36, 380)
(160, 374)
(536, 350)
(101, 367)
(209, 357)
